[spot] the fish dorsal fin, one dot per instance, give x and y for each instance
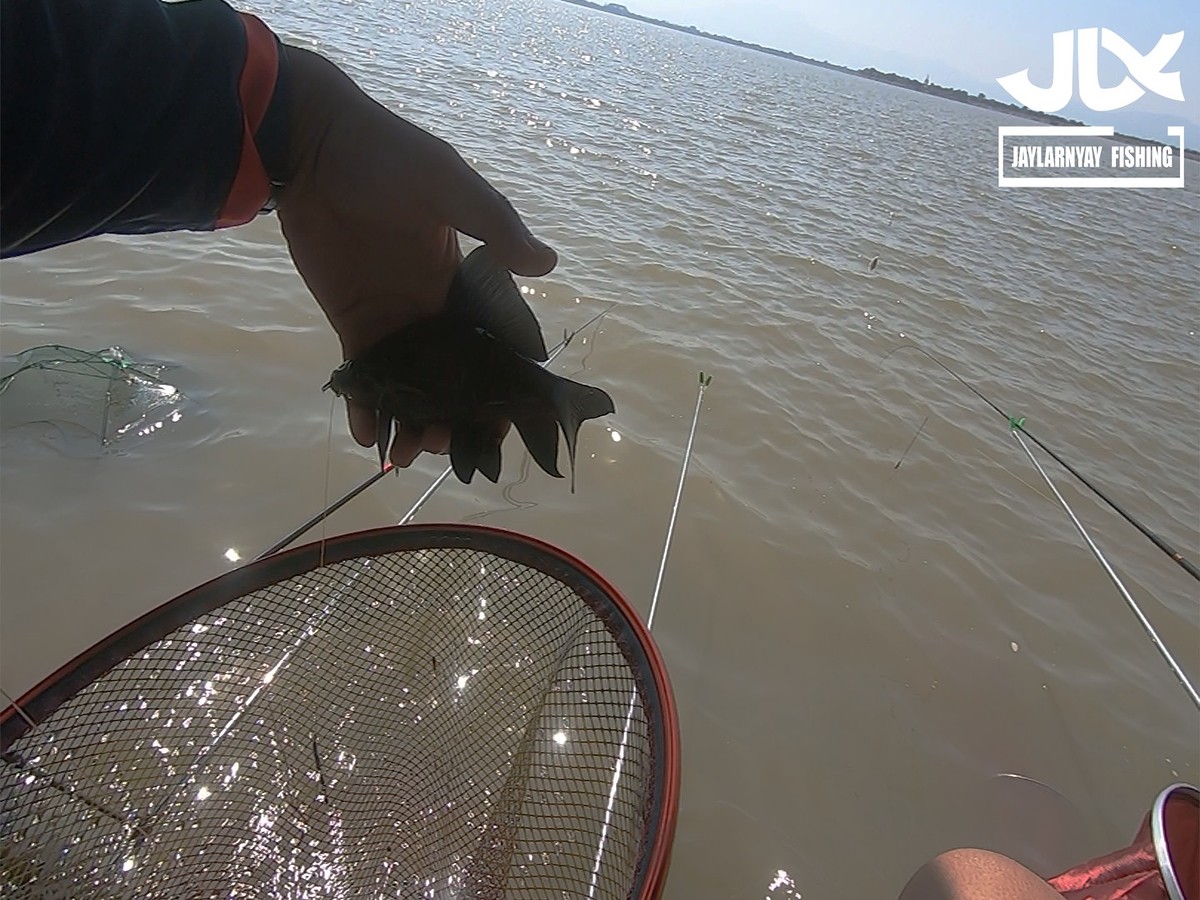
(483, 294)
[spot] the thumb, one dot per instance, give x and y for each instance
(526, 256)
(469, 203)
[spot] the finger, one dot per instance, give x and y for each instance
(406, 447)
(408, 444)
(436, 439)
(363, 423)
(468, 202)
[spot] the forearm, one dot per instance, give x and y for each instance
(135, 117)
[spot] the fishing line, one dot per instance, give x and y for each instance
(1116, 580)
(325, 494)
(910, 443)
(1003, 468)
(1018, 424)
(591, 349)
(507, 495)
(999, 465)
(705, 381)
(389, 467)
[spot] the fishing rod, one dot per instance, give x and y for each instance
(389, 467)
(325, 513)
(1116, 580)
(705, 381)
(1019, 425)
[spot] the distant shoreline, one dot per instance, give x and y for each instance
(925, 87)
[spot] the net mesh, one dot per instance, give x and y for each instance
(104, 394)
(444, 721)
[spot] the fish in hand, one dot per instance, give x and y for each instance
(473, 367)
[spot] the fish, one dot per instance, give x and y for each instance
(474, 367)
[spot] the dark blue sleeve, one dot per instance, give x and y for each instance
(115, 117)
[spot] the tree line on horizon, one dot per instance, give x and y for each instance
(926, 87)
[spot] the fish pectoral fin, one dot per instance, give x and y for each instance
(539, 431)
(489, 459)
(574, 404)
(474, 447)
(484, 295)
(462, 458)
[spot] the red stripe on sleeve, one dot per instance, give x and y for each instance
(251, 188)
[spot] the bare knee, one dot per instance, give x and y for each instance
(969, 874)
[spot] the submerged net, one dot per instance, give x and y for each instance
(429, 712)
(102, 393)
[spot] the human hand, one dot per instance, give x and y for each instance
(371, 216)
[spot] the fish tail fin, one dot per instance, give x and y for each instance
(539, 431)
(474, 447)
(574, 404)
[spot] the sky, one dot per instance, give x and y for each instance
(960, 44)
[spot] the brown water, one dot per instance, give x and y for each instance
(860, 653)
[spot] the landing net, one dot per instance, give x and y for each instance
(425, 712)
